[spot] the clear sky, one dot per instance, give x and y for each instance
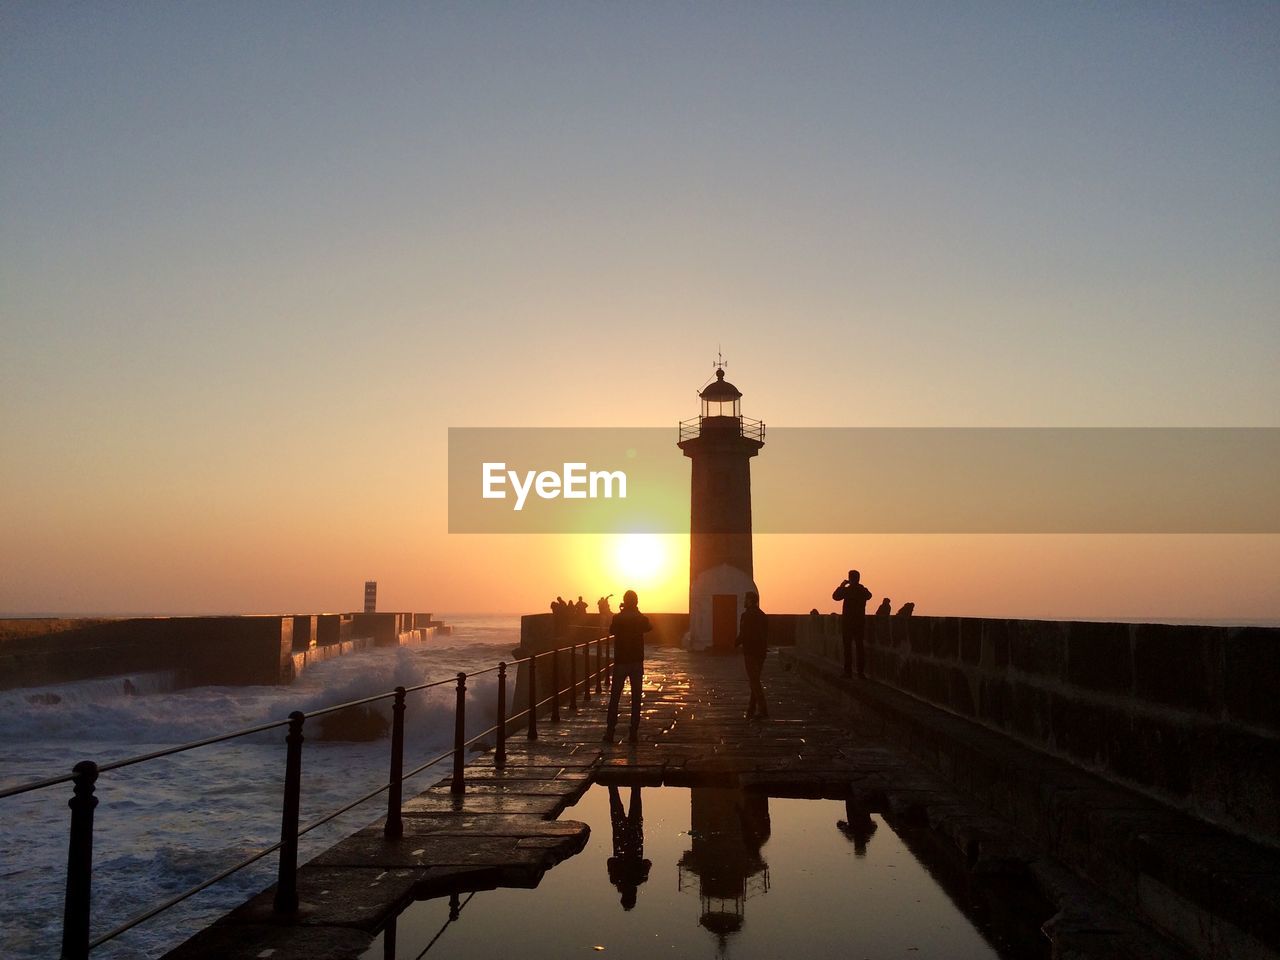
(255, 259)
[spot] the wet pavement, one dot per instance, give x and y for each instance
(503, 831)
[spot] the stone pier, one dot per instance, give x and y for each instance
(1120, 874)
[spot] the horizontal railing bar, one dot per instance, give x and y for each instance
(478, 736)
(346, 808)
(35, 785)
(174, 901)
(424, 686)
(430, 763)
(222, 875)
(350, 806)
(143, 757)
(440, 932)
(247, 731)
(117, 764)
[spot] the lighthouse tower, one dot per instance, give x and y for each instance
(720, 443)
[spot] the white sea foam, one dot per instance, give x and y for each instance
(165, 825)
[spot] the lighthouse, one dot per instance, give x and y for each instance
(720, 442)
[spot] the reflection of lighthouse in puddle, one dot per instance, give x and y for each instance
(728, 827)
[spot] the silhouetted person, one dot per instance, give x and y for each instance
(628, 628)
(627, 867)
(858, 828)
(559, 616)
(884, 609)
(852, 619)
(580, 608)
(753, 638)
(906, 610)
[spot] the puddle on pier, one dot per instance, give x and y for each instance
(709, 872)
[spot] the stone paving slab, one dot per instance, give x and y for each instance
(477, 772)
(224, 941)
(479, 825)
(444, 802)
(361, 897)
(528, 854)
(515, 787)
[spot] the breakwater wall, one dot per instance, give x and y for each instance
(1186, 714)
(239, 650)
(538, 630)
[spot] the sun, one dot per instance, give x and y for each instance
(640, 557)
(649, 563)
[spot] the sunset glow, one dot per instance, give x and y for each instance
(640, 557)
(245, 305)
(650, 564)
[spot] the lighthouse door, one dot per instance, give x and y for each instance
(724, 621)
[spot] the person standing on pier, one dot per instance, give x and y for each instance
(753, 638)
(852, 620)
(628, 628)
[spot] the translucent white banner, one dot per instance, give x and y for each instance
(871, 480)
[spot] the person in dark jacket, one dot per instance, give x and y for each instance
(628, 628)
(753, 638)
(852, 619)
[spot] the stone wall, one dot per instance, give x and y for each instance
(231, 650)
(669, 630)
(537, 631)
(1188, 714)
(201, 650)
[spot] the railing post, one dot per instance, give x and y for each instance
(389, 940)
(287, 883)
(573, 677)
(459, 725)
(533, 697)
(395, 823)
(602, 663)
(500, 751)
(75, 913)
(555, 685)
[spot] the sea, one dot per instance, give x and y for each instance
(164, 826)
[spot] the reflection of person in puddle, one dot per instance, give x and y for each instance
(858, 828)
(627, 867)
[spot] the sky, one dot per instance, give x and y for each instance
(256, 259)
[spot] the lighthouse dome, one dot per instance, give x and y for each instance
(720, 390)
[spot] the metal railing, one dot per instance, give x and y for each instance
(739, 426)
(76, 939)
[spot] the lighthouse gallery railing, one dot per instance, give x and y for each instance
(746, 427)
